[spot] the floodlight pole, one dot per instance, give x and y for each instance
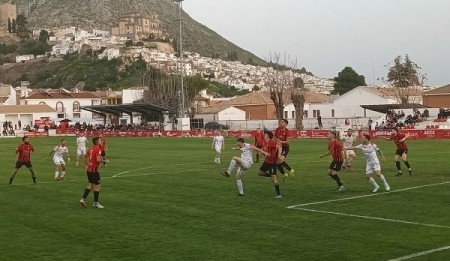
(181, 62)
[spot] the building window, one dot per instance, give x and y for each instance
(305, 114)
(285, 114)
(314, 113)
(332, 113)
(76, 115)
(59, 107)
(42, 103)
(76, 106)
(60, 115)
(293, 114)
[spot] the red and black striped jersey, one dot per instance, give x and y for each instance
(24, 151)
(282, 135)
(401, 145)
(336, 147)
(271, 147)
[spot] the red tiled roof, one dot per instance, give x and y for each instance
(263, 97)
(442, 90)
(41, 95)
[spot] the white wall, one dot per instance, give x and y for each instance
(26, 119)
(68, 105)
(231, 114)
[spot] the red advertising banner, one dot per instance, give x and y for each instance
(304, 134)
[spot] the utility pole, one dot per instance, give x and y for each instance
(181, 62)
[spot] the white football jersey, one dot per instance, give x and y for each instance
(247, 154)
(348, 141)
(218, 141)
(60, 150)
(370, 151)
(81, 142)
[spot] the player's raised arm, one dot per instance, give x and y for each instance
(252, 147)
(51, 152)
(325, 155)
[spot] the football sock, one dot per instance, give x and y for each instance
(11, 180)
(286, 166)
(240, 186)
(373, 182)
(337, 179)
(383, 179)
(56, 174)
(407, 165)
(277, 189)
(96, 194)
(231, 167)
(62, 174)
(281, 169)
(397, 164)
(86, 193)
(34, 178)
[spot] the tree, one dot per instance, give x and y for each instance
(404, 76)
(279, 82)
(298, 99)
(347, 80)
(194, 84)
(129, 43)
(9, 25)
(13, 26)
(43, 37)
(22, 30)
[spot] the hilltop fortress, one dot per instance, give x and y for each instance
(8, 12)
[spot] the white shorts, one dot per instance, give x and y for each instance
(81, 151)
(351, 153)
(372, 167)
(246, 165)
(59, 161)
(218, 149)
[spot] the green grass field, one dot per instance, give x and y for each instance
(165, 200)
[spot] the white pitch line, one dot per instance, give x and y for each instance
(420, 254)
(366, 196)
(133, 170)
(373, 218)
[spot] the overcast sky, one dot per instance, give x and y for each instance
(327, 35)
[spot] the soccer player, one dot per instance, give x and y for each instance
(102, 145)
(23, 157)
(282, 136)
(336, 150)
(218, 144)
(402, 150)
(373, 167)
(349, 141)
(58, 158)
(93, 158)
(244, 162)
(259, 141)
(273, 157)
(81, 147)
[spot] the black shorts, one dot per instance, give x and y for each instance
(401, 151)
(27, 164)
(336, 165)
(93, 177)
(103, 153)
(284, 151)
(270, 168)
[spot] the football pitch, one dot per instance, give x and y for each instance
(165, 200)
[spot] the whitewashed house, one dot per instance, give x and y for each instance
(67, 104)
(27, 114)
(24, 58)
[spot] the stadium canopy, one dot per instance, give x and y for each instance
(144, 108)
(384, 108)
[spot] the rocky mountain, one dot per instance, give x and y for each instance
(101, 14)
